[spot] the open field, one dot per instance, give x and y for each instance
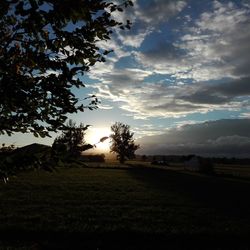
(237, 171)
(123, 208)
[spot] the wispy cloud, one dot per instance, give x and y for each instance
(206, 68)
(219, 42)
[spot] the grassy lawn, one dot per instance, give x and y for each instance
(123, 208)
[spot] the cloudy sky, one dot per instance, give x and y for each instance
(183, 62)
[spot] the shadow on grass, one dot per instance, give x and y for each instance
(229, 196)
(118, 240)
(222, 196)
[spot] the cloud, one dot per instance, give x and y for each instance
(245, 115)
(145, 100)
(148, 129)
(219, 138)
(214, 46)
(218, 93)
(162, 52)
(164, 58)
(219, 41)
(120, 84)
(158, 11)
(134, 39)
(113, 44)
(106, 107)
(146, 17)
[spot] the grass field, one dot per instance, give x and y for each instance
(123, 208)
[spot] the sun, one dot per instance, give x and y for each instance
(93, 136)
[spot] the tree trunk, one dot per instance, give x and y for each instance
(122, 159)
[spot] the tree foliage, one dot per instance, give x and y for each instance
(122, 142)
(71, 142)
(45, 46)
(15, 160)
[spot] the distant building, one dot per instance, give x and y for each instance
(161, 163)
(193, 163)
(198, 164)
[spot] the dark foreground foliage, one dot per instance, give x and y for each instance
(71, 143)
(16, 160)
(45, 46)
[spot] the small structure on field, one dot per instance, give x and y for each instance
(161, 163)
(192, 163)
(198, 164)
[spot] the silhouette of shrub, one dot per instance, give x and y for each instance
(93, 158)
(34, 156)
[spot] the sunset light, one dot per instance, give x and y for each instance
(93, 136)
(125, 124)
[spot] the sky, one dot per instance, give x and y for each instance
(181, 75)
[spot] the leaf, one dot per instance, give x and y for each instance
(104, 138)
(131, 3)
(86, 147)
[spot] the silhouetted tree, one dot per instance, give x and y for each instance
(122, 142)
(45, 45)
(71, 142)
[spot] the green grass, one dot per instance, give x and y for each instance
(124, 208)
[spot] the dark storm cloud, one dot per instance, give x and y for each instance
(239, 87)
(223, 137)
(162, 52)
(219, 93)
(175, 107)
(214, 148)
(205, 96)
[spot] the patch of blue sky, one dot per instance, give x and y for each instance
(73, 26)
(159, 78)
(153, 40)
(160, 122)
(126, 62)
(83, 92)
(211, 116)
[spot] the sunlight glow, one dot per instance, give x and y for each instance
(93, 136)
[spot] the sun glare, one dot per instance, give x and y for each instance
(94, 135)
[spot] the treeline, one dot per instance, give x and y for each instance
(93, 158)
(184, 158)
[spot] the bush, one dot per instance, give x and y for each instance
(93, 158)
(34, 156)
